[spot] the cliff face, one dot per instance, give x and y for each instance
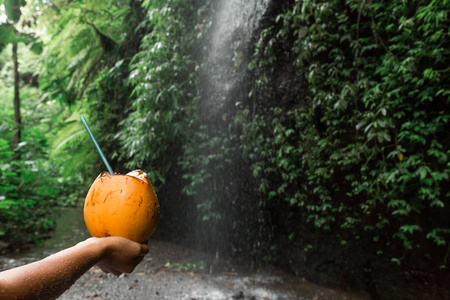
(211, 197)
(257, 189)
(226, 212)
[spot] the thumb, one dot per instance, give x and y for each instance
(144, 250)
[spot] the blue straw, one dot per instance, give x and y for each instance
(105, 161)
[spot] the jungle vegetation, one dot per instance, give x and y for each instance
(358, 146)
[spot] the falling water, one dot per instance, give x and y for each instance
(232, 35)
(234, 26)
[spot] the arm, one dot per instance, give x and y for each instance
(50, 277)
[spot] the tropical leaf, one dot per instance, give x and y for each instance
(7, 35)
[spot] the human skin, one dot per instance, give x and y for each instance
(51, 276)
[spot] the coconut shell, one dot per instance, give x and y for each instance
(122, 205)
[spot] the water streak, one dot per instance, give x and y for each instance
(234, 25)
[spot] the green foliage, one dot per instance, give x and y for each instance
(29, 186)
(362, 150)
(164, 76)
(7, 35)
(12, 9)
(369, 148)
(206, 156)
(26, 195)
(89, 46)
(79, 36)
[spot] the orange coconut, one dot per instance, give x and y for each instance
(122, 205)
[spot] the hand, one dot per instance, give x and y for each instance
(51, 276)
(121, 255)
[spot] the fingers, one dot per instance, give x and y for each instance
(117, 273)
(104, 269)
(137, 260)
(144, 250)
(108, 270)
(123, 255)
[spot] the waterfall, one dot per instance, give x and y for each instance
(233, 31)
(234, 25)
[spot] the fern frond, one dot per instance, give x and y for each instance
(68, 139)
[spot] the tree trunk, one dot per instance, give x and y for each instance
(17, 119)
